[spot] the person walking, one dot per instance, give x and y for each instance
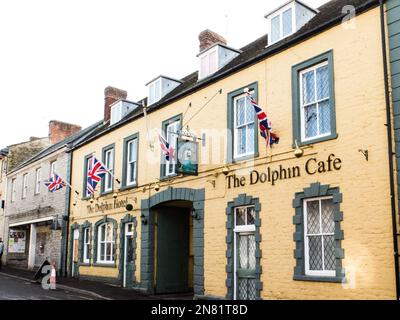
(1, 250)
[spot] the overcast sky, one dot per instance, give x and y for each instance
(57, 56)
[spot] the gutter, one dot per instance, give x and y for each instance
(390, 148)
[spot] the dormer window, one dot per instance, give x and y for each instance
(288, 19)
(120, 109)
(214, 53)
(155, 91)
(208, 63)
(160, 87)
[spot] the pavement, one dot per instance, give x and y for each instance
(21, 283)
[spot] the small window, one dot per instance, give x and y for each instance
(208, 63)
(108, 159)
(281, 25)
(38, 177)
(116, 113)
(155, 91)
(53, 168)
(319, 230)
(131, 162)
(244, 124)
(13, 190)
(105, 243)
(24, 185)
(86, 245)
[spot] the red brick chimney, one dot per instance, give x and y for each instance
(112, 95)
(61, 130)
(207, 38)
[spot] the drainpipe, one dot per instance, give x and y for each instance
(390, 147)
(66, 215)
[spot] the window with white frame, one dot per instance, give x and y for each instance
(52, 168)
(171, 135)
(155, 91)
(315, 102)
(109, 163)
(244, 127)
(319, 239)
(13, 190)
(86, 245)
(38, 177)
(281, 25)
(116, 113)
(208, 62)
(88, 160)
(131, 161)
(24, 185)
(245, 253)
(105, 243)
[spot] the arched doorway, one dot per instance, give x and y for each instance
(172, 241)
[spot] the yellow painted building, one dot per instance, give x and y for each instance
(308, 218)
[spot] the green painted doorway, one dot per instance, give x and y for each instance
(173, 248)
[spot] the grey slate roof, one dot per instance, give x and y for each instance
(70, 142)
(329, 15)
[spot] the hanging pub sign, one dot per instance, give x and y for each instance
(187, 158)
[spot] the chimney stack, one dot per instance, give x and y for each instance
(208, 38)
(112, 95)
(61, 130)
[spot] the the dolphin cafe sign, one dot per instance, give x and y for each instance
(274, 175)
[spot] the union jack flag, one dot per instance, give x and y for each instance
(263, 123)
(167, 150)
(96, 171)
(55, 183)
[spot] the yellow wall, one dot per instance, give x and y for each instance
(360, 118)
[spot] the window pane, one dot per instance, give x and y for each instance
(109, 233)
(251, 213)
(250, 138)
(287, 22)
(204, 66)
(250, 112)
(313, 225)
(241, 140)
(323, 82)
(275, 29)
(132, 172)
(329, 253)
(213, 62)
(328, 224)
(240, 112)
(308, 87)
(240, 216)
(102, 251)
(102, 232)
(315, 252)
(108, 252)
(310, 118)
(324, 117)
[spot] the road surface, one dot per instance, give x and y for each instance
(12, 288)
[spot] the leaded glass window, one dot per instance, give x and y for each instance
(319, 230)
(315, 102)
(244, 126)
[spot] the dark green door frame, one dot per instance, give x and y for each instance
(196, 196)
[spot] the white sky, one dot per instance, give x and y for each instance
(57, 56)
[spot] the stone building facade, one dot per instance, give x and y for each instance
(35, 219)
